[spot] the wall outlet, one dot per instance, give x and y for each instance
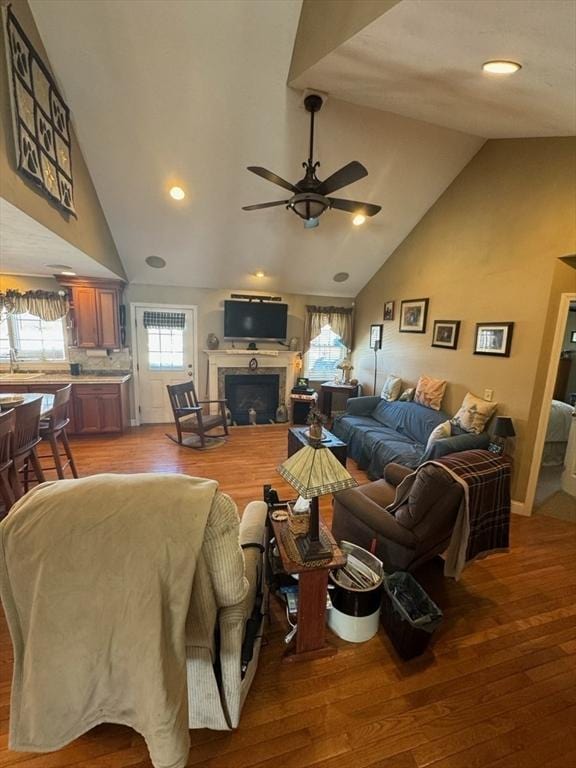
(489, 395)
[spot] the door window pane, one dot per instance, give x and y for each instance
(165, 348)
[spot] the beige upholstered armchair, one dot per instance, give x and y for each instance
(124, 594)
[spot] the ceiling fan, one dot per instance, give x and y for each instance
(310, 196)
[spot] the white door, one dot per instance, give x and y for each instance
(166, 349)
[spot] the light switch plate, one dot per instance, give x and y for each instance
(489, 395)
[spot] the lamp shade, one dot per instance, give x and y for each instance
(315, 472)
(504, 427)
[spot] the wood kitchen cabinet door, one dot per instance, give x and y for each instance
(110, 413)
(107, 318)
(85, 316)
(86, 412)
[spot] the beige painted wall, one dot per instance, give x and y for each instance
(89, 232)
(326, 24)
(210, 304)
(488, 250)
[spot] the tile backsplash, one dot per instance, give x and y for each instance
(120, 360)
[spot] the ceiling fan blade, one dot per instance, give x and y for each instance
(274, 178)
(353, 206)
(346, 175)
(264, 205)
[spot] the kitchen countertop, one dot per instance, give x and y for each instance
(64, 378)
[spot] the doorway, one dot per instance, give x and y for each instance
(555, 490)
(166, 353)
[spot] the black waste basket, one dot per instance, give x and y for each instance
(409, 616)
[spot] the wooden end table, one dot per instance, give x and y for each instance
(312, 589)
(328, 389)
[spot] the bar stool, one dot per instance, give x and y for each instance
(7, 421)
(26, 438)
(54, 428)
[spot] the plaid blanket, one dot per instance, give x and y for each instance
(483, 522)
(485, 519)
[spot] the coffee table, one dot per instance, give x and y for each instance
(298, 438)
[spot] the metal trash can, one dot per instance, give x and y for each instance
(356, 595)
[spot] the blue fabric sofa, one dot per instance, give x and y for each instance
(378, 432)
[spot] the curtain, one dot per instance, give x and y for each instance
(164, 319)
(339, 319)
(43, 304)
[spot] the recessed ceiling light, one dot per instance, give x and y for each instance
(177, 193)
(68, 272)
(259, 273)
(501, 67)
(341, 277)
(155, 261)
(59, 267)
(358, 219)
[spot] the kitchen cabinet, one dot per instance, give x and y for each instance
(95, 409)
(95, 311)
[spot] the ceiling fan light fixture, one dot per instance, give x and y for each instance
(311, 223)
(501, 67)
(308, 205)
(359, 219)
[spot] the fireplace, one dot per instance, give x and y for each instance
(246, 391)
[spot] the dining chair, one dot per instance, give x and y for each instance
(7, 421)
(53, 429)
(26, 438)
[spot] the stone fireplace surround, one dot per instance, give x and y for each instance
(224, 362)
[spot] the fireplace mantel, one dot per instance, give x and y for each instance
(240, 358)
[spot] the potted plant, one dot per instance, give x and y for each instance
(316, 421)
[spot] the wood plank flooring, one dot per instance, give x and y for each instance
(497, 689)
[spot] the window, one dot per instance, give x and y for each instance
(32, 339)
(326, 351)
(165, 348)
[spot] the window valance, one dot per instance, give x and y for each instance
(47, 305)
(164, 320)
(338, 318)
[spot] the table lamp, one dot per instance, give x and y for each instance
(314, 471)
(503, 428)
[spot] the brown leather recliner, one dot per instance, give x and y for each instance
(419, 529)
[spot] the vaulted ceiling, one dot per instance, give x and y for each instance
(189, 93)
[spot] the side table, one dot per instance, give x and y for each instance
(312, 588)
(328, 389)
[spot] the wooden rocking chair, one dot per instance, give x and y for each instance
(188, 416)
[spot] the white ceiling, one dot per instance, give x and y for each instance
(27, 247)
(423, 59)
(193, 92)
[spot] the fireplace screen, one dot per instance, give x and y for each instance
(258, 392)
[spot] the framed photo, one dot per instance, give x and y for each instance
(445, 333)
(389, 310)
(413, 314)
(376, 336)
(572, 336)
(493, 339)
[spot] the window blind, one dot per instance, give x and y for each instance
(164, 320)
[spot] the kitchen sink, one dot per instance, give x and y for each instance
(21, 376)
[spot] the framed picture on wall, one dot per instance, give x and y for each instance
(389, 310)
(493, 339)
(413, 315)
(376, 336)
(445, 333)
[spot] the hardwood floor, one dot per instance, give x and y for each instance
(497, 689)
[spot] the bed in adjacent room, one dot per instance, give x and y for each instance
(557, 434)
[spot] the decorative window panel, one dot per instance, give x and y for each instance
(40, 117)
(164, 320)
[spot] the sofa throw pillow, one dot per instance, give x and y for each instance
(442, 430)
(473, 414)
(408, 395)
(391, 388)
(429, 392)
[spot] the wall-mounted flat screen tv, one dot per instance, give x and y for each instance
(255, 320)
